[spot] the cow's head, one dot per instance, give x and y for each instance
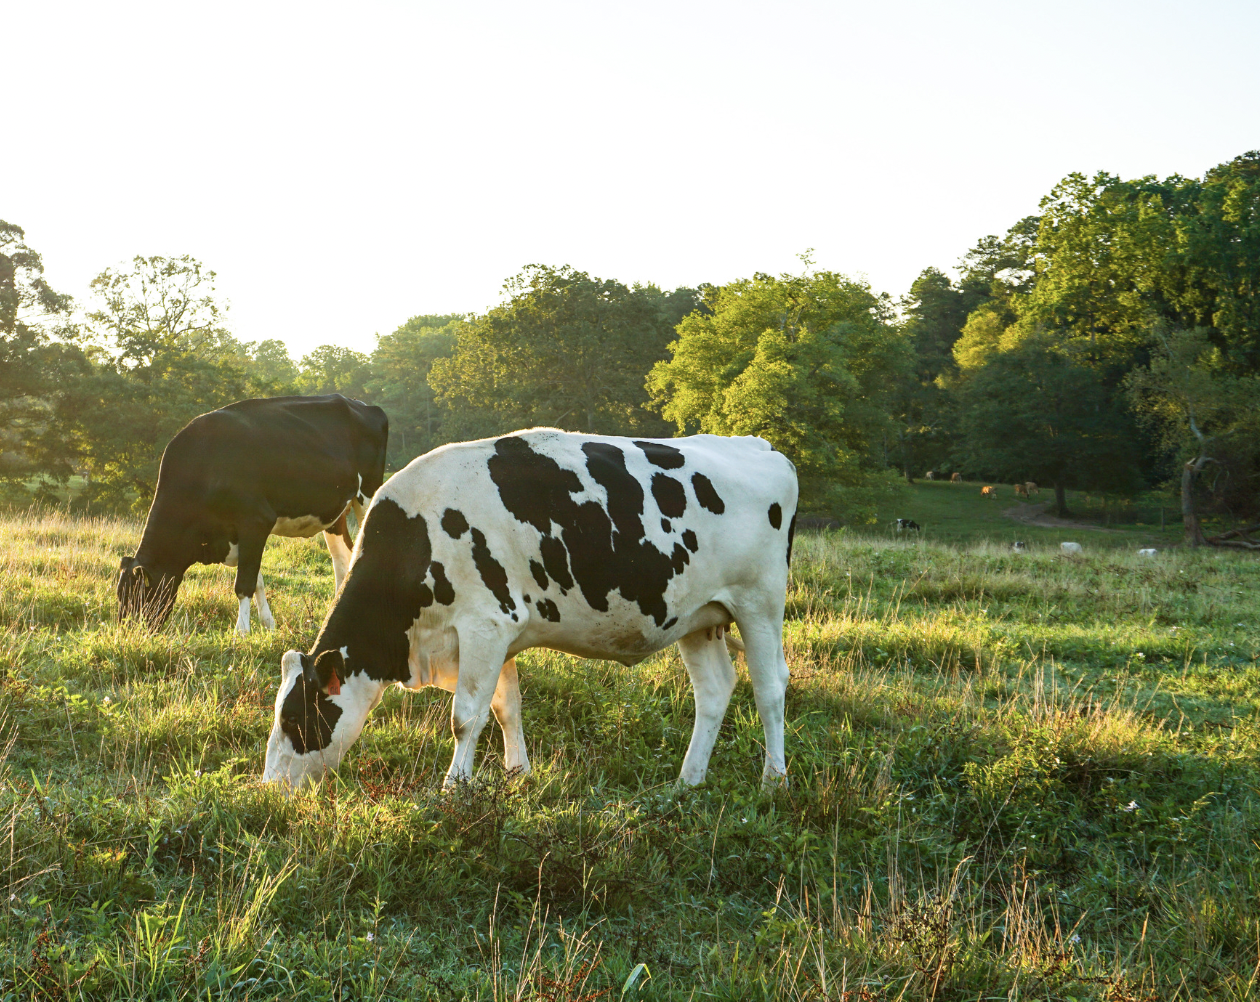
(146, 593)
(320, 710)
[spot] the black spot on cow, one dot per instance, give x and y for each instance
(492, 573)
(791, 535)
(664, 456)
(540, 574)
(599, 549)
(454, 523)
(670, 495)
(776, 515)
(706, 494)
(383, 594)
(556, 562)
(689, 539)
(443, 590)
(547, 609)
(307, 716)
(526, 599)
(665, 525)
(669, 622)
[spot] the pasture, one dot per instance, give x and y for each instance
(1012, 776)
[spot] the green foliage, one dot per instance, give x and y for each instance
(399, 383)
(36, 362)
(1033, 412)
(565, 350)
(331, 368)
(810, 363)
(1012, 776)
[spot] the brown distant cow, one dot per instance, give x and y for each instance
(988, 492)
(955, 478)
(1031, 488)
(1020, 492)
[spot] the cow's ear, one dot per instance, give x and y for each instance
(140, 569)
(329, 668)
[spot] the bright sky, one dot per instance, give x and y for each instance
(345, 166)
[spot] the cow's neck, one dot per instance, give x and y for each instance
(359, 621)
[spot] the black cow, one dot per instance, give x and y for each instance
(288, 466)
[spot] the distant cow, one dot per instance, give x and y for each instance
(907, 523)
(1147, 553)
(1031, 488)
(1020, 491)
(1070, 547)
(988, 492)
(288, 466)
(598, 546)
(930, 475)
(955, 478)
(1019, 546)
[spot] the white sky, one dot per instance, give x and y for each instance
(343, 167)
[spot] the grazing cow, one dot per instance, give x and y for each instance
(597, 546)
(288, 466)
(955, 478)
(1070, 547)
(1147, 552)
(930, 475)
(1031, 488)
(907, 523)
(1020, 491)
(1019, 546)
(988, 492)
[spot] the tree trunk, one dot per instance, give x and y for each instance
(1194, 531)
(1060, 501)
(909, 475)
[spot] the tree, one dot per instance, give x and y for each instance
(331, 368)
(36, 363)
(271, 369)
(399, 382)
(161, 357)
(1033, 412)
(807, 362)
(566, 349)
(1204, 413)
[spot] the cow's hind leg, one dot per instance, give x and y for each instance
(264, 610)
(339, 548)
(506, 705)
(712, 682)
(768, 670)
(475, 689)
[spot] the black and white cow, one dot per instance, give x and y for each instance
(907, 524)
(288, 466)
(597, 546)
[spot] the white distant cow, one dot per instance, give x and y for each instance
(1147, 553)
(1070, 547)
(597, 546)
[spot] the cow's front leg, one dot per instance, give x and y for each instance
(474, 691)
(340, 546)
(506, 705)
(249, 573)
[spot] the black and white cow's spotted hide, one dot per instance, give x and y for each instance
(598, 546)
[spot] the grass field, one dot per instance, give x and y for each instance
(1013, 777)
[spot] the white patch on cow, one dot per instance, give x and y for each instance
(303, 526)
(234, 555)
(1070, 547)
(242, 617)
(359, 490)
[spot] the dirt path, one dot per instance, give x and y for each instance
(1035, 514)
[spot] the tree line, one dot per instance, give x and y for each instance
(1110, 343)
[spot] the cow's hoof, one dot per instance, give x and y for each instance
(773, 781)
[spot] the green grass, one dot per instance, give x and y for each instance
(1016, 777)
(957, 513)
